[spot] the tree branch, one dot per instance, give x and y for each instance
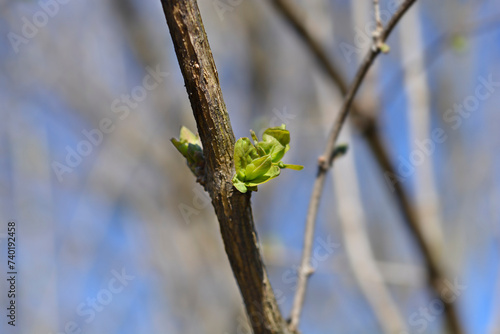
(326, 161)
(232, 208)
(367, 126)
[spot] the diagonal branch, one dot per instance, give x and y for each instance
(232, 208)
(326, 161)
(362, 120)
(291, 15)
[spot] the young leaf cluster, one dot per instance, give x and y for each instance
(260, 162)
(189, 145)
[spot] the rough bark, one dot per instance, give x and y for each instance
(232, 208)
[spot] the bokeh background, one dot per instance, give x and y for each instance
(120, 238)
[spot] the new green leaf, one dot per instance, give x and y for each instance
(259, 163)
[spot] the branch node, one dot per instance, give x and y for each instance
(210, 159)
(323, 163)
(377, 34)
(308, 271)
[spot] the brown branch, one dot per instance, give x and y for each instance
(367, 126)
(378, 30)
(232, 208)
(326, 161)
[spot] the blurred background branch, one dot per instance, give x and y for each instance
(326, 161)
(424, 225)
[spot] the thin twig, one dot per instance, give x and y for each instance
(353, 221)
(426, 200)
(377, 33)
(358, 248)
(325, 162)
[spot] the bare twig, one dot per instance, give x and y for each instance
(290, 13)
(378, 20)
(232, 208)
(326, 161)
(377, 33)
